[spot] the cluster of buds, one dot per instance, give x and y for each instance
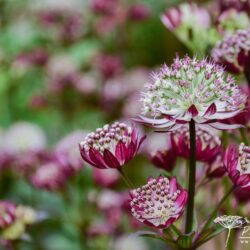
(191, 89)
(14, 219)
(159, 203)
(237, 163)
(111, 146)
(208, 145)
(233, 51)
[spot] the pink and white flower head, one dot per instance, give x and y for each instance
(7, 214)
(237, 163)
(191, 89)
(53, 175)
(159, 203)
(111, 146)
(233, 51)
(208, 145)
(186, 14)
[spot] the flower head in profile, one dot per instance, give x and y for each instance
(237, 163)
(191, 89)
(111, 146)
(233, 51)
(159, 203)
(208, 145)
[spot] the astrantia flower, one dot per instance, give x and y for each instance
(208, 145)
(233, 51)
(111, 146)
(7, 214)
(237, 162)
(191, 89)
(159, 203)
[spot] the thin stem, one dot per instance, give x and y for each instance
(191, 180)
(213, 214)
(126, 179)
(228, 235)
(243, 136)
(247, 76)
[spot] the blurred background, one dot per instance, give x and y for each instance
(67, 68)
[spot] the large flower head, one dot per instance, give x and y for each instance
(159, 203)
(237, 163)
(111, 146)
(208, 145)
(191, 89)
(233, 51)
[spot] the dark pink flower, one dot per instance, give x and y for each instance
(208, 145)
(53, 175)
(216, 168)
(233, 51)
(237, 163)
(7, 214)
(139, 12)
(103, 7)
(177, 95)
(159, 203)
(111, 146)
(172, 18)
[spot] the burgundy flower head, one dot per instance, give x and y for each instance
(191, 89)
(208, 145)
(237, 163)
(233, 51)
(159, 203)
(111, 146)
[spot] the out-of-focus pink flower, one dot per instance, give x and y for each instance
(240, 5)
(186, 14)
(242, 195)
(111, 146)
(233, 51)
(103, 7)
(139, 12)
(68, 147)
(86, 84)
(159, 203)
(99, 229)
(38, 101)
(53, 175)
(36, 57)
(108, 65)
(106, 178)
(216, 168)
(177, 96)
(237, 163)
(7, 214)
(208, 145)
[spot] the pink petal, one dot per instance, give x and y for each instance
(182, 199)
(97, 158)
(120, 151)
(211, 109)
(193, 110)
(110, 159)
(172, 185)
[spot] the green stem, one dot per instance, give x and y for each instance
(191, 180)
(213, 214)
(243, 136)
(126, 179)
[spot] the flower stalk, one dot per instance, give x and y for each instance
(191, 181)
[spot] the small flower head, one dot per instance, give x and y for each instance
(231, 221)
(191, 89)
(111, 146)
(233, 51)
(159, 203)
(208, 145)
(237, 162)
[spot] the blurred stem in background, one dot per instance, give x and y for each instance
(192, 175)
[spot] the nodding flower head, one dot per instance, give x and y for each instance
(233, 51)
(111, 146)
(191, 89)
(208, 145)
(159, 203)
(237, 162)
